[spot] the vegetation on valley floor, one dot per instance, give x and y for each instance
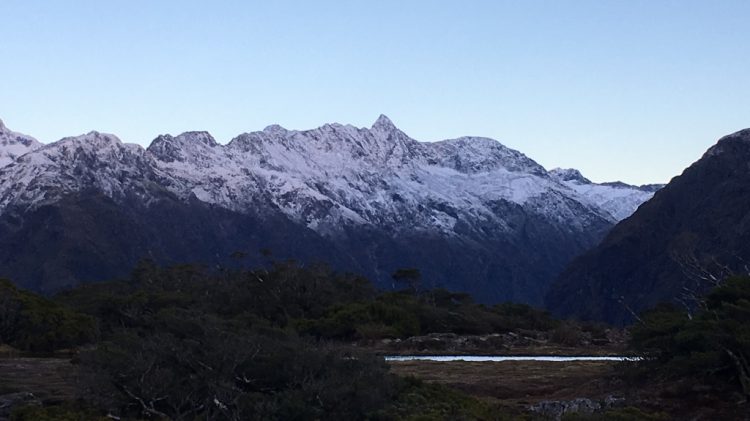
(186, 342)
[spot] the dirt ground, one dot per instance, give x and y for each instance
(49, 379)
(518, 383)
(511, 384)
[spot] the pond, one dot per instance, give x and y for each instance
(484, 358)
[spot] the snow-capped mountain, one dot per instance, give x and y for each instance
(13, 145)
(339, 174)
(323, 177)
(616, 198)
(347, 185)
(94, 161)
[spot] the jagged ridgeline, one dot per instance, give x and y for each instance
(470, 213)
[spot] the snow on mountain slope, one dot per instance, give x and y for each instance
(618, 199)
(336, 175)
(92, 161)
(325, 178)
(13, 145)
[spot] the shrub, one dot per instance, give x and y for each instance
(416, 400)
(713, 343)
(359, 320)
(32, 323)
(567, 334)
(216, 373)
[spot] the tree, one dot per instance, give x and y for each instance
(410, 277)
(10, 311)
(33, 323)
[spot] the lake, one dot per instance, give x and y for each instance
(483, 358)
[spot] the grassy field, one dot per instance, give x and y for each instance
(517, 383)
(514, 385)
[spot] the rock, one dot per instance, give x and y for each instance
(12, 400)
(556, 409)
(613, 402)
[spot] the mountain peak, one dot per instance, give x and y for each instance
(274, 128)
(201, 137)
(742, 134)
(384, 123)
(183, 147)
(13, 145)
(725, 142)
(569, 174)
(92, 140)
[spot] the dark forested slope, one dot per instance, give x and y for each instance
(695, 228)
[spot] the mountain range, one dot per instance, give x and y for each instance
(470, 213)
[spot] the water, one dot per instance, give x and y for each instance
(483, 358)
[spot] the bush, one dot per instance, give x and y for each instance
(417, 400)
(371, 320)
(521, 316)
(712, 344)
(32, 323)
(194, 366)
(567, 334)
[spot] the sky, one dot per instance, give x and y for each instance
(630, 90)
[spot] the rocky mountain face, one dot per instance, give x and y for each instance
(694, 232)
(13, 145)
(472, 214)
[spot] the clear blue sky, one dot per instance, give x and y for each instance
(631, 90)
